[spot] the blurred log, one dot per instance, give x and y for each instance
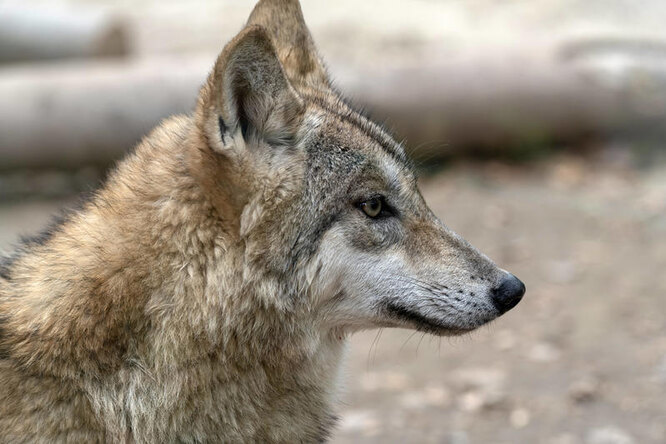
(90, 113)
(518, 101)
(28, 34)
(73, 114)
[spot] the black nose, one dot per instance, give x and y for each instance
(508, 294)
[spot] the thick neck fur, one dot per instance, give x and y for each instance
(145, 305)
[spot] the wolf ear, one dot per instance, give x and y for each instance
(248, 94)
(283, 20)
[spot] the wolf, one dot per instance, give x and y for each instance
(207, 291)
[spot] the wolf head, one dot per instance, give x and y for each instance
(324, 201)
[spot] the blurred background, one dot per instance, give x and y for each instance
(539, 127)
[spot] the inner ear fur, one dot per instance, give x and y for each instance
(248, 94)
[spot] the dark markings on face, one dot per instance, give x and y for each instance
(370, 129)
(375, 236)
(329, 167)
(339, 174)
(342, 166)
(401, 313)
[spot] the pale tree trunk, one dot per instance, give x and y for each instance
(92, 112)
(34, 34)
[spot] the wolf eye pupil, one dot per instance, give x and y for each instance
(372, 207)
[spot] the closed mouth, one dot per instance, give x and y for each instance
(422, 323)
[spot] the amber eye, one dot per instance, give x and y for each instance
(372, 207)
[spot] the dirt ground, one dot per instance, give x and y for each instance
(581, 360)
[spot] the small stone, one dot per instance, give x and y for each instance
(519, 418)
(396, 381)
(544, 352)
(476, 400)
(429, 397)
(584, 390)
(481, 389)
(437, 396)
(470, 401)
(609, 435)
(477, 378)
(364, 421)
